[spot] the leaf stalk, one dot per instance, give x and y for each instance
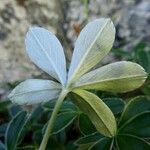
(52, 119)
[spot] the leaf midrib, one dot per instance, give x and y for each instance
(42, 48)
(96, 113)
(112, 79)
(86, 53)
(36, 91)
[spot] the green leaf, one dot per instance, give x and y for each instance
(146, 88)
(138, 125)
(130, 142)
(4, 105)
(35, 115)
(14, 109)
(54, 144)
(92, 138)
(37, 137)
(116, 77)
(85, 125)
(102, 144)
(33, 91)
(14, 130)
(45, 50)
(84, 146)
(93, 43)
(121, 53)
(30, 147)
(3, 128)
(71, 146)
(98, 112)
(66, 106)
(63, 120)
(142, 56)
(115, 104)
(2, 146)
(135, 106)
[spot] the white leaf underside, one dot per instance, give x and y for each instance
(93, 43)
(33, 91)
(45, 50)
(116, 77)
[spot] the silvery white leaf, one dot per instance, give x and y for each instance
(34, 91)
(93, 43)
(45, 50)
(116, 77)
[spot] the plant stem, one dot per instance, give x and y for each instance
(52, 119)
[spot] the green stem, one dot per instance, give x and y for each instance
(52, 119)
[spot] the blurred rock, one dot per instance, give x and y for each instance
(134, 25)
(65, 19)
(15, 18)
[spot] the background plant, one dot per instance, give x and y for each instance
(83, 98)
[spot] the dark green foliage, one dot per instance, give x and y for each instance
(71, 124)
(63, 120)
(89, 138)
(138, 125)
(136, 106)
(104, 143)
(131, 133)
(130, 142)
(85, 125)
(14, 129)
(2, 146)
(115, 104)
(73, 130)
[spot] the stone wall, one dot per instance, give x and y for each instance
(65, 18)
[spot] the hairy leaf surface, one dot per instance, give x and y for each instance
(34, 91)
(45, 50)
(93, 43)
(116, 77)
(100, 115)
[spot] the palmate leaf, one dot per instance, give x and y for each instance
(93, 43)
(136, 106)
(34, 91)
(116, 77)
(45, 50)
(98, 112)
